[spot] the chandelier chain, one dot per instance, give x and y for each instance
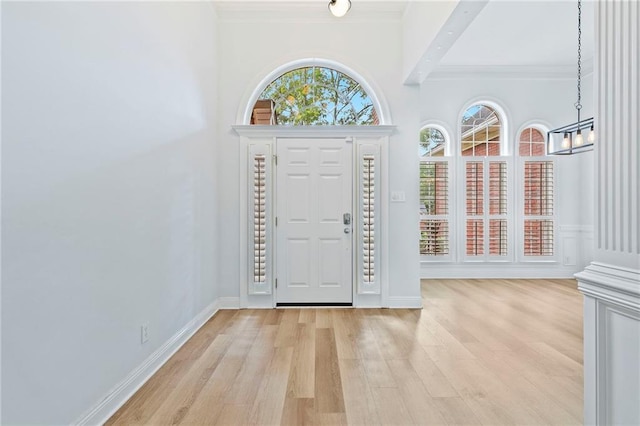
(578, 104)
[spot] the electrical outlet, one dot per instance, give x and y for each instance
(144, 333)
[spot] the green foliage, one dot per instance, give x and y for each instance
(430, 139)
(319, 96)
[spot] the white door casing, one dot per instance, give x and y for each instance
(258, 143)
(314, 246)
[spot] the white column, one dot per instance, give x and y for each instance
(611, 284)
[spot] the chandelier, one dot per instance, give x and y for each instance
(569, 139)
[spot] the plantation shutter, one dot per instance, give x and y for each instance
(486, 207)
(369, 219)
(259, 232)
(474, 178)
(434, 208)
(497, 208)
(538, 208)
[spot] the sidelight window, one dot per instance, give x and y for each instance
(434, 194)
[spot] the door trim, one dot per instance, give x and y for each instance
(267, 135)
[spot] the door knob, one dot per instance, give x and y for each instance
(347, 230)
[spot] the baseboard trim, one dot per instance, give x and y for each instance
(541, 270)
(396, 302)
(124, 390)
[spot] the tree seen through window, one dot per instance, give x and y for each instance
(319, 96)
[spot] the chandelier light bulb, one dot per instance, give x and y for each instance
(566, 143)
(592, 135)
(339, 8)
(579, 139)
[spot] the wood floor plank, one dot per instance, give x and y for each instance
(298, 411)
(345, 334)
(378, 373)
(189, 387)
(307, 316)
(269, 403)
(535, 398)
(288, 328)
(233, 414)
(390, 407)
(480, 352)
(302, 376)
(455, 411)
(243, 390)
(330, 419)
(434, 381)
(323, 318)
(358, 399)
(419, 403)
(328, 384)
(210, 401)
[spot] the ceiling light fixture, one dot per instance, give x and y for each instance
(339, 8)
(572, 141)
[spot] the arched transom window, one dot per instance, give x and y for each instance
(481, 130)
(314, 96)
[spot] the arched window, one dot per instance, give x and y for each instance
(485, 184)
(532, 143)
(537, 194)
(434, 193)
(481, 131)
(314, 95)
(432, 142)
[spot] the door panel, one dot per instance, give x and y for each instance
(314, 191)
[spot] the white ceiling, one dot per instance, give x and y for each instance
(506, 35)
(524, 33)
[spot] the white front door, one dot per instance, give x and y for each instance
(314, 200)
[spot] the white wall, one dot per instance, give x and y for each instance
(611, 284)
(548, 101)
(250, 49)
(109, 200)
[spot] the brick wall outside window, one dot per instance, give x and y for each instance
(486, 206)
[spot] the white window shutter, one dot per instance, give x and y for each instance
(434, 208)
(487, 225)
(259, 232)
(538, 197)
(369, 219)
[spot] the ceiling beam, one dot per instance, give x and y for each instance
(435, 44)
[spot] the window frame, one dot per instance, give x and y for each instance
(316, 79)
(451, 214)
(366, 81)
(520, 163)
(461, 166)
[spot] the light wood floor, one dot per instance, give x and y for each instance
(480, 352)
